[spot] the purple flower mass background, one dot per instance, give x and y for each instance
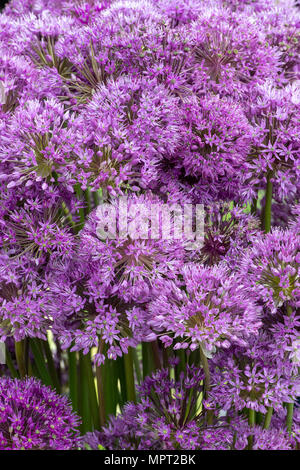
(143, 343)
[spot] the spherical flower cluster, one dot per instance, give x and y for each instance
(209, 309)
(216, 141)
(33, 416)
(271, 268)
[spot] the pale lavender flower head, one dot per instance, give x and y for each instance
(209, 309)
(270, 268)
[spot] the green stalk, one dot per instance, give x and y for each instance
(268, 204)
(155, 354)
(205, 366)
(182, 364)
(165, 357)
(84, 405)
(268, 418)
(137, 366)
(51, 366)
(10, 365)
(253, 209)
(147, 359)
(79, 194)
(92, 391)
(100, 389)
(204, 362)
(73, 379)
(87, 197)
(39, 359)
(251, 421)
(289, 416)
(130, 384)
(68, 215)
(20, 356)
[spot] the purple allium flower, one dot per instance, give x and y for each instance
(33, 416)
(167, 417)
(217, 141)
(22, 310)
(37, 144)
(275, 149)
(127, 122)
(270, 268)
(255, 377)
(228, 232)
(102, 292)
(209, 309)
(232, 50)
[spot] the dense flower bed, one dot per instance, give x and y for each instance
(159, 344)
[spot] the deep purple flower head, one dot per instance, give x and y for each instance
(33, 416)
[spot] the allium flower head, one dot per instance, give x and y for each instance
(212, 310)
(215, 142)
(232, 50)
(227, 232)
(133, 263)
(256, 376)
(37, 144)
(166, 418)
(271, 268)
(101, 292)
(33, 416)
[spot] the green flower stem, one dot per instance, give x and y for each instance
(289, 416)
(129, 373)
(100, 389)
(39, 360)
(68, 215)
(268, 204)
(122, 393)
(10, 365)
(251, 417)
(155, 354)
(20, 356)
(79, 194)
(268, 418)
(89, 377)
(87, 197)
(165, 352)
(51, 366)
(253, 208)
(96, 197)
(205, 366)
(182, 364)
(73, 379)
(147, 360)
(137, 366)
(84, 404)
(251, 421)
